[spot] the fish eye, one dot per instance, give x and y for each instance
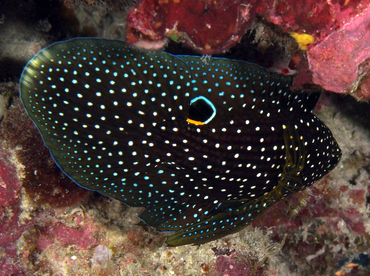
(201, 111)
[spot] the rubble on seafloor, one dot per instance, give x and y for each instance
(51, 227)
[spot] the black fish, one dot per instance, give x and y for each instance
(205, 146)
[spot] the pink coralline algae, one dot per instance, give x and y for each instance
(9, 184)
(328, 233)
(238, 264)
(213, 26)
(232, 266)
(340, 28)
(22, 230)
(10, 228)
(42, 179)
(207, 26)
(78, 237)
(316, 17)
(344, 56)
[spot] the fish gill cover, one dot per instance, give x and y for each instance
(205, 145)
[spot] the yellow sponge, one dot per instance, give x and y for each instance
(303, 40)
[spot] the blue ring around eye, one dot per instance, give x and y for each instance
(209, 103)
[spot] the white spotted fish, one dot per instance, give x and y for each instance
(206, 147)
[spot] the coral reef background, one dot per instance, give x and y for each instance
(50, 226)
